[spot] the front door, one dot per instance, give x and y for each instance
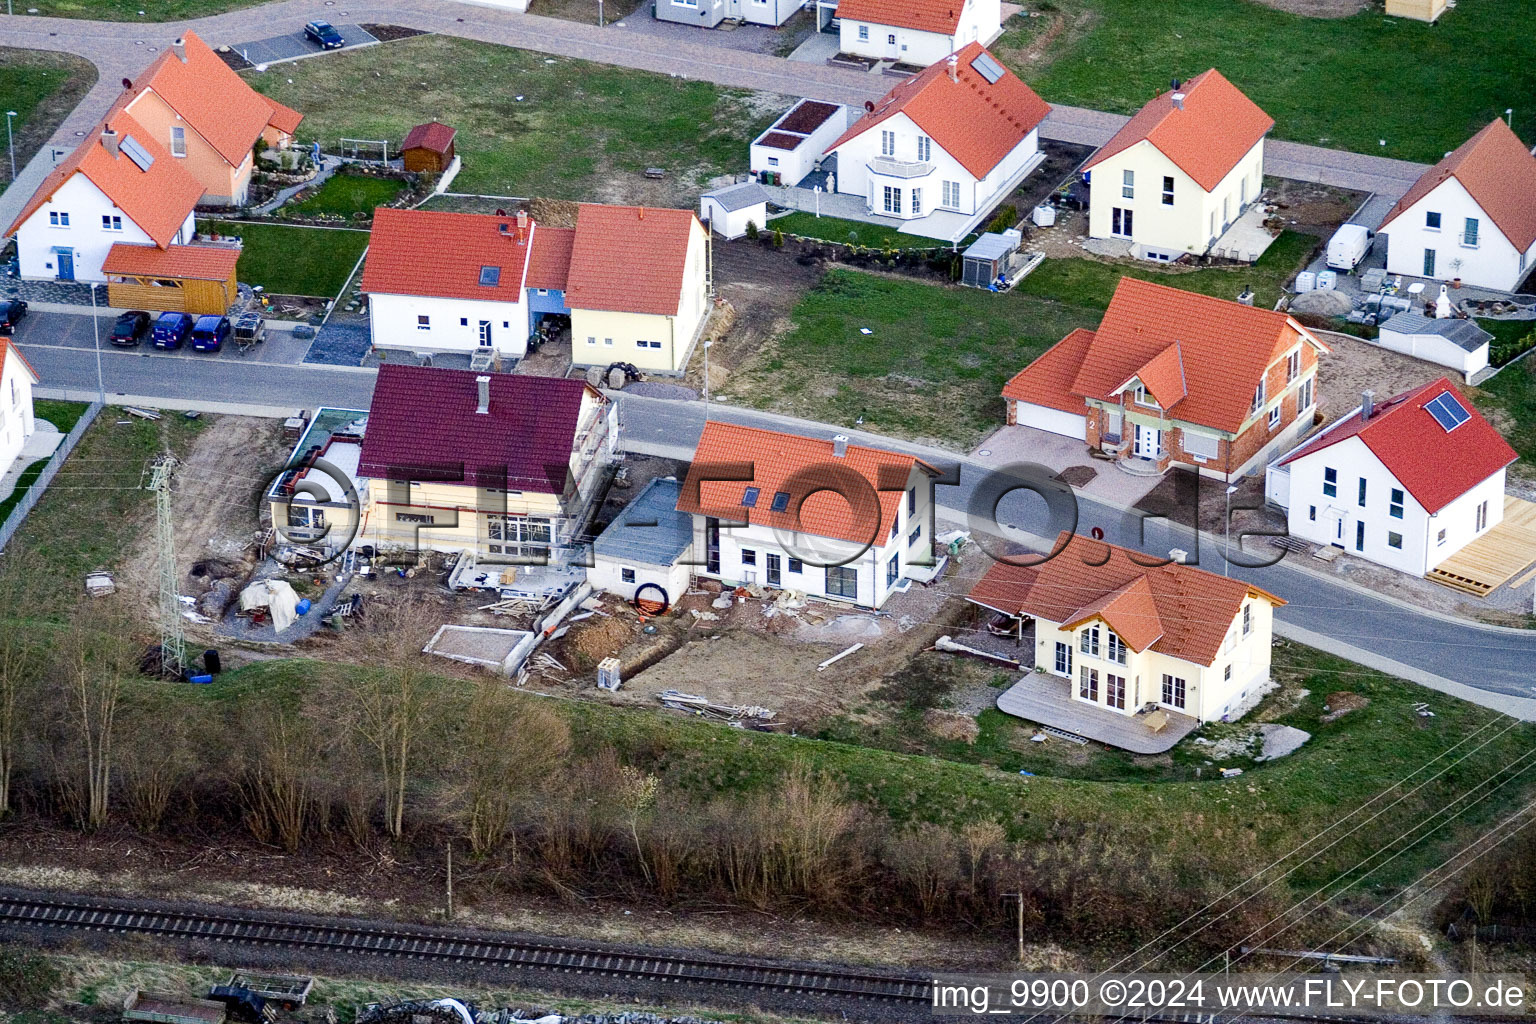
(1148, 441)
(66, 258)
(712, 545)
(774, 578)
(485, 334)
(890, 46)
(1336, 523)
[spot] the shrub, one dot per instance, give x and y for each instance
(1503, 350)
(778, 239)
(751, 230)
(1004, 219)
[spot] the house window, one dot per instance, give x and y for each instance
(1258, 397)
(1359, 534)
(917, 201)
(773, 161)
(1173, 690)
(1201, 446)
(1088, 643)
(911, 501)
(111, 222)
(1120, 222)
(178, 140)
(516, 535)
(924, 148)
(892, 199)
(1469, 236)
(463, 321)
(1226, 675)
(917, 532)
(1063, 659)
(952, 195)
(1274, 417)
(749, 497)
(423, 322)
(1330, 482)
(863, 33)
(1114, 691)
(1429, 263)
(892, 570)
(607, 341)
(796, 566)
(748, 556)
(1168, 196)
(1440, 538)
(1293, 366)
(1312, 513)
(842, 581)
(1482, 516)
(887, 143)
(1116, 652)
(1142, 398)
(780, 501)
(1247, 619)
(1395, 506)
(626, 575)
(58, 219)
(1088, 684)
(891, 39)
(1431, 220)
(1360, 495)
(413, 517)
(1395, 540)
(1304, 396)
(1128, 184)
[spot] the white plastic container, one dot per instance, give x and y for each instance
(1326, 280)
(1306, 281)
(1044, 215)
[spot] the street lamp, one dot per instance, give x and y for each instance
(11, 138)
(1226, 557)
(707, 346)
(101, 387)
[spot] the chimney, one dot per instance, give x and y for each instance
(1178, 555)
(109, 141)
(840, 446)
(1367, 404)
(484, 384)
(1178, 101)
(179, 48)
(954, 68)
(522, 224)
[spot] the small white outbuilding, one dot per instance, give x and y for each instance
(1459, 344)
(727, 211)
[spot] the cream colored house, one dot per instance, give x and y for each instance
(1181, 171)
(638, 288)
(1121, 632)
(1419, 10)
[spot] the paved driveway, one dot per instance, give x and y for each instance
(72, 331)
(295, 45)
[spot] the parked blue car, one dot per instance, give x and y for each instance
(209, 333)
(324, 34)
(171, 330)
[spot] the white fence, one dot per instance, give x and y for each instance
(35, 492)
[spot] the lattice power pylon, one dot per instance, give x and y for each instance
(173, 645)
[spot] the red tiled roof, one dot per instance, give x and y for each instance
(973, 121)
(629, 259)
(218, 104)
(157, 200)
(1435, 465)
(8, 348)
(433, 135)
(422, 425)
(941, 16)
(549, 265)
(1163, 376)
(807, 470)
(1175, 609)
(1224, 347)
(430, 252)
(1206, 139)
(187, 262)
(1497, 171)
(1048, 380)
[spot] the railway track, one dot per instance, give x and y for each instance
(62, 914)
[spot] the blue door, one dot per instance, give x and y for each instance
(66, 259)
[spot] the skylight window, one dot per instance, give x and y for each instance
(1447, 411)
(780, 501)
(490, 276)
(988, 68)
(749, 498)
(137, 153)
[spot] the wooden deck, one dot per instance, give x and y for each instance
(1490, 561)
(1047, 700)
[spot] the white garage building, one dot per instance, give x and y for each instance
(727, 211)
(648, 543)
(1459, 344)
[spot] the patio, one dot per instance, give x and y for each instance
(1247, 238)
(1067, 456)
(1047, 701)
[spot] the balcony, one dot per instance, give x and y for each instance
(892, 168)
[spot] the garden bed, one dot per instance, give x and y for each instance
(351, 195)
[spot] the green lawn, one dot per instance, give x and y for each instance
(130, 10)
(850, 232)
(63, 415)
(1090, 283)
(41, 87)
(347, 194)
(1510, 397)
(1346, 83)
(293, 260)
(931, 367)
(529, 125)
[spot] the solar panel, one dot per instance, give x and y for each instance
(749, 498)
(137, 153)
(988, 68)
(780, 501)
(1447, 411)
(490, 276)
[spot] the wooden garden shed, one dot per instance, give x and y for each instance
(428, 147)
(181, 278)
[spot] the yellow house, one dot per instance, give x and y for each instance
(638, 287)
(1419, 10)
(207, 117)
(1176, 176)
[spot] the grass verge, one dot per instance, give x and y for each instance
(344, 195)
(850, 232)
(287, 260)
(42, 88)
(63, 415)
(1509, 399)
(136, 10)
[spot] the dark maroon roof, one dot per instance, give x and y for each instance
(433, 135)
(806, 117)
(422, 425)
(778, 140)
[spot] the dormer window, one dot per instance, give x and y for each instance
(1143, 397)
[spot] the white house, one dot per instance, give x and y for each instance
(710, 13)
(916, 32)
(1459, 344)
(940, 150)
(1122, 633)
(16, 423)
(1175, 177)
(827, 518)
(119, 185)
(1471, 216)
(792, 146)
(646, 546)
(1406, 482)
(727, 211)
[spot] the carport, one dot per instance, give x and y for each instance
(182, 278)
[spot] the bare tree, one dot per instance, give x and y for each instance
(20, 656)
(510, 745)
(92, 664)
(636, 794)
(282, 762)
(159, 756)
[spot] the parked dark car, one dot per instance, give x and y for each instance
(172, 329)
(129, 328)
(209, 333)
(325, 35)
(10, 314)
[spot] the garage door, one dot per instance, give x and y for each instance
(1043, 417)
